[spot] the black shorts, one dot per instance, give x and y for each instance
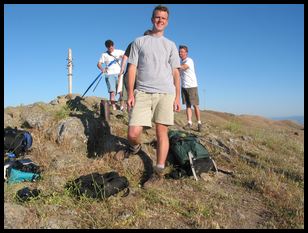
(190, 96)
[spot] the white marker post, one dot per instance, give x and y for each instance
(70, 70)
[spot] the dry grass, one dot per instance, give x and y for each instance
(265, 194)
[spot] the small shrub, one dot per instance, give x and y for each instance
(62, 113)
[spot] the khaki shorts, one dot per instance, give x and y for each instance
(190, 96)
(150, 107)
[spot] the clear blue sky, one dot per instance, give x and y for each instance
(249, 59)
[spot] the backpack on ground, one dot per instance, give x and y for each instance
(16, 141)
(96, 185)
(17, 176)
(188, 155)
(21, 170)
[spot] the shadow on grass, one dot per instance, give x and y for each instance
(100, 140)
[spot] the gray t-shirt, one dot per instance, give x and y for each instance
(155, 58)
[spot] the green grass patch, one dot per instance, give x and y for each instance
(234, 127)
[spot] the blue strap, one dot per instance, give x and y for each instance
(111, 63)
(27, 140)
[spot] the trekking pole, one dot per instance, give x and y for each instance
(92, 84)
(190, 155)
(116, 60)
(97, 83)
(214, 144)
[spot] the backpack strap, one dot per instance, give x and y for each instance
(19, 144)
(126, 192)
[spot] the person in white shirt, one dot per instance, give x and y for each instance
(189, 87)
(112, 60)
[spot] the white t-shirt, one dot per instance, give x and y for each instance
(188, 76)
(111, 63)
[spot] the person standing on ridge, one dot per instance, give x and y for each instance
(112, 60)
(157, 93)
(189, 87)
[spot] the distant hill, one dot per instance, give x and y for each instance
(298, 119)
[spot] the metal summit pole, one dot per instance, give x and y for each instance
(70, 70)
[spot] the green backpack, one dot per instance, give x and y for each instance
(182, 147)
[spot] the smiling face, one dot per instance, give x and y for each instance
(183, 53)
(159, 20)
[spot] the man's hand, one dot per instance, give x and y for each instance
(130, 102)
(176, 105)
(121, 73)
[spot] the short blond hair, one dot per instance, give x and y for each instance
(160, 8)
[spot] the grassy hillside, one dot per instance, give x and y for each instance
(264, 189)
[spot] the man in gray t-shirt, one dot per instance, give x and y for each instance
(156, 57)
(157, 93)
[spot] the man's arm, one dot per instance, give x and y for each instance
(176, 81)
(131, 76)
(124, 59)
(99, 65)
(184, 67)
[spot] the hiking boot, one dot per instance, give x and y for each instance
(156, 180)
(129, 150)
(199, 127)
(187, 127)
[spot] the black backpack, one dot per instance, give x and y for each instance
(97, 185)
(182, 147)
(17, 141)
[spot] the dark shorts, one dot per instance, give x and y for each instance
(190, 96)
(124, 89)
